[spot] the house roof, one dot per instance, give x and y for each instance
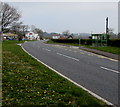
(9, 34)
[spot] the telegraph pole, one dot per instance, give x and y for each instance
(106, 25)
(107, 31)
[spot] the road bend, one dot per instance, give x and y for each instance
(94, 72)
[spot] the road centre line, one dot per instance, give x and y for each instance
(46, 49)
(110, 69)
(67, 56)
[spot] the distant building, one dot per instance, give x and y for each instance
(9, 36)
(56, 36)
(70, 37)
(31, 36)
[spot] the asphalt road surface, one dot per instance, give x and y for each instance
(94, 72)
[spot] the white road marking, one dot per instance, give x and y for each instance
(46, 49)
(19, 44)
(104, 57)
(74, 47)
(112, 59)
(109, 69)
(75, 51)
(90, 54)
(68, 56)
(100, 56)
(82, 53)
(95, 95)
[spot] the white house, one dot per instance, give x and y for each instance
(56, 36)
(32, 36)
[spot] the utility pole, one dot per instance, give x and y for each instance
(107, 31)
(107, 26)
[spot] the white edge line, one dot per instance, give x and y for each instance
(90, 92)
(105, 57)
(109, 69)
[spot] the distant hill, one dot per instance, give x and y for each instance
(82, 35)
(47, 35)
(76, 35)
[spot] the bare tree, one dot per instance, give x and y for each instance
(16, 27)
(32, 27)
(24, 29)
(8, 15)
(39, 32)
(110, 30)
(66, 33)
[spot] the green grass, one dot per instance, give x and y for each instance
(110, 49)
(28, 82)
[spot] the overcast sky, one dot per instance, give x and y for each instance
(78, 17)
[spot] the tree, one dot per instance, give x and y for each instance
(110, 30)
(16, 27)
(24, 29)
(111, 33)
(39, 32)
(8, 15)
(66, 33)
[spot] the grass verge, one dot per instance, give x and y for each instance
(110, 49)
(28, 82)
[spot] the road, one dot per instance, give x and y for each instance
(94, 72)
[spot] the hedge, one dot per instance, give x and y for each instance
(114, 42)
(111, 42)
(74, 41)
